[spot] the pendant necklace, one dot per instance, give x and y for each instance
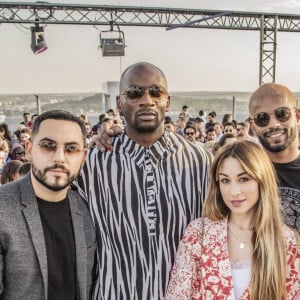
(242, 244)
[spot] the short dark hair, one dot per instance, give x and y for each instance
(190, 125)
(169, 121)
(211, 129)
(110, 110)
(224, 137)
(230, 124)
(212, 114)
(57, 115)
(25, 130)
(102, 117)
(199, 120)
(243, 124)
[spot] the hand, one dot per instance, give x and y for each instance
(106, 132)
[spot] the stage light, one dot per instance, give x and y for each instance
(38, 44)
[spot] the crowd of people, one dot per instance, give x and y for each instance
(138, 206)
(14, 159)
(210, 134)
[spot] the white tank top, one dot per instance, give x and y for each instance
(241, 272)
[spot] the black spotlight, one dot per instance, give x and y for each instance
(38, 44)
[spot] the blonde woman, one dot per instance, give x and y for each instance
(240, 248)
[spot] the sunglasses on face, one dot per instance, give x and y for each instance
(20, 153)
(51, 147)
(190, 133)
(282, 114)
(133, 93)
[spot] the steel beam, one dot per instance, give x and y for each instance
(268, 44)
(73, 14)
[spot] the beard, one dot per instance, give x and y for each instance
(290, 136)
(41, 177)
(146, 128)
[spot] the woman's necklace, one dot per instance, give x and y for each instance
(242, 244)
(241, 227)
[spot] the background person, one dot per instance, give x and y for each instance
(240, 248)
(169, 125)
(242, 130)
(219, 131)
(25, 135)
(17, 153)
(212, 120)
(227, 138)
(3, 156)
(33, 117)
(5, 134)
(26, 119)
(180, 125)
(190, 133)
(10, 171)
(211, 134)
(229, 128)
(184, 112)
(227, 118)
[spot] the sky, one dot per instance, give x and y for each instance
(192, 59)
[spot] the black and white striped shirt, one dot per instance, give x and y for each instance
(141, 200)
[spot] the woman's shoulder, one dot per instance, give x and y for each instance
(204, 231)
(197, 225)
(199, 222)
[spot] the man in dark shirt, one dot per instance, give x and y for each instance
(47, 238)
(272, 108)
(212, 120)
(26, 117)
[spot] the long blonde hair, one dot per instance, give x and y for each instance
(269, 257)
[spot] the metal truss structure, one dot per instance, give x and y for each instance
(266, 23)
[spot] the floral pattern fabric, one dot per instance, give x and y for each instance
(202, 267)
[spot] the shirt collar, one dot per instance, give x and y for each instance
(157, 151)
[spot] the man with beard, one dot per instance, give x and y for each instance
(190, 133)
(144, 192)
(272, 108)
(242, 130)
(47, 237)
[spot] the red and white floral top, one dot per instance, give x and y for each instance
(205, 274)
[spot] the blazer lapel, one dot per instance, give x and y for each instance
(33, 220)
(80, 244)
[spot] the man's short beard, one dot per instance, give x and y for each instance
(146, 129)
(41, 178)
(291, 136)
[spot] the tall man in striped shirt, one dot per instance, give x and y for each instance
(144, 192)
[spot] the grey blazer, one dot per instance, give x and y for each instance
(23, 261)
